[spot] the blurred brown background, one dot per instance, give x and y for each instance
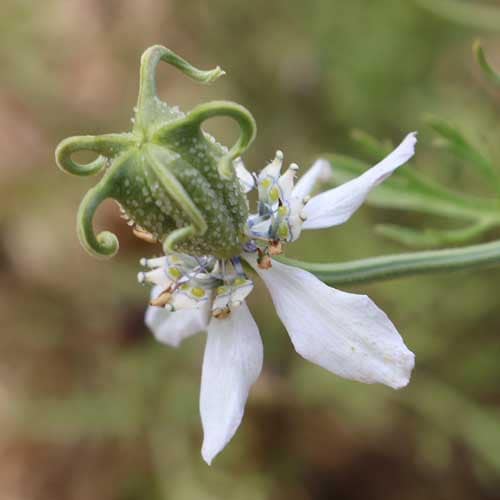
(91, 407)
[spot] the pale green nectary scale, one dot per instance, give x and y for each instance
(171, 178)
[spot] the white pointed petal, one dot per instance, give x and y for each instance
(335, 206)
(246, 179)
(344, 333)
(232, 363)
(321, 171)
(173, 327)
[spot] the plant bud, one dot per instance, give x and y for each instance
(172, 179)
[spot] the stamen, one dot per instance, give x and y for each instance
(163, 299)
(144, 235)
(221, 313)
(275, 248)
(263, 259)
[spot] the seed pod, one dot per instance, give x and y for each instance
(170, 177)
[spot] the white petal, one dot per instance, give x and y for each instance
(246, 179)
(232, 363)
(173, 327)
(344, 333)
(336, 205)
(321, 171)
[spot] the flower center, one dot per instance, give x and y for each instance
(187, 282)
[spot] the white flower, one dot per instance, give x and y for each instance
(344, 333)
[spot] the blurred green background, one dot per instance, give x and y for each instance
(91, 407)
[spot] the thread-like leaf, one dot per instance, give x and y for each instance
(469, 14)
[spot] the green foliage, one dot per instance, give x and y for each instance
(408, 189)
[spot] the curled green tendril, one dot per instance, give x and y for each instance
(150, 59)
(195, 118)
(107, 146)
(198, 115)
(401, 265)
(105, 245)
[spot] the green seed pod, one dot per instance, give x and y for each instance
(170, 177)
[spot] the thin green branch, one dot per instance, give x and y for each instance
(401, 265)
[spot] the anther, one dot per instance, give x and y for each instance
(222, 313)
(163, 299)
(275, 248)
(144, 235)
(263, 259)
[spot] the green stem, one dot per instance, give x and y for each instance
(401, 265)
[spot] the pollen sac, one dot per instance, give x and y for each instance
(174, 182)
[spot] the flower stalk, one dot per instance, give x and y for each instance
(401, 265)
